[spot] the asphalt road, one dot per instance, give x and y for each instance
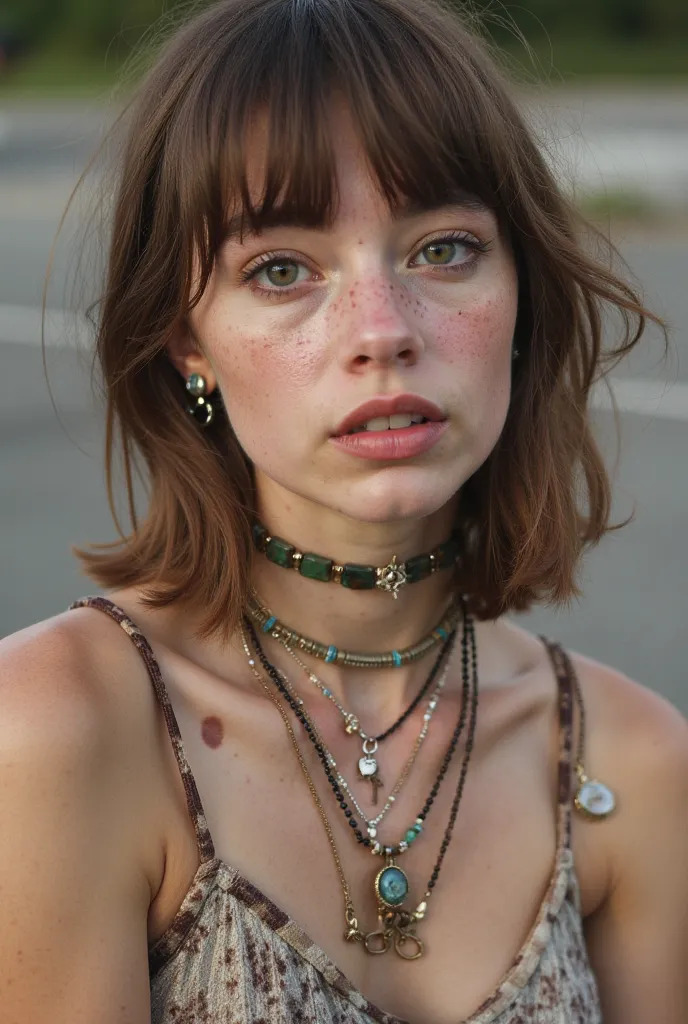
(633, 612)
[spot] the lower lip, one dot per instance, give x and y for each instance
(391, 445)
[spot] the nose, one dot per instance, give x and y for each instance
(379, 332)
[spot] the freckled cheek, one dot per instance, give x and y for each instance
(480, 333)
(261, 372)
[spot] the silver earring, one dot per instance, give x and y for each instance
(201, 409)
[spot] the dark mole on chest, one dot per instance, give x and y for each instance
(212, 732)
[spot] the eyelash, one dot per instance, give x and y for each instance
(250, 273)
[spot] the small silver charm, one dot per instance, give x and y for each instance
(367, 766)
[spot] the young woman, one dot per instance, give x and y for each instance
(298, 766)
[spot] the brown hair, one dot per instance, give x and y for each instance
(434, 117)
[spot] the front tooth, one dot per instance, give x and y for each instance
(402, 420)
(381, 423)
(417, 418)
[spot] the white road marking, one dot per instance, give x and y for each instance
(659, 399)
(22, 325)
(654, 398)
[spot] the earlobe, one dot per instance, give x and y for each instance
(185, 354)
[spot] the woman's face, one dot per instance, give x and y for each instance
(302, 327)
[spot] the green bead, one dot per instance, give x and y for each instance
(359, 577)
(259, 536)
(279, 552)
(410, 836)
(418, 568)
(447, 553)
(392, 886)
(315, 567)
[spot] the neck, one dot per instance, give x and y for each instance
(362, 621)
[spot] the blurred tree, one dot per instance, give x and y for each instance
(98, 24)
(35, 20)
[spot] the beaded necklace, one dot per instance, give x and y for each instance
(372, 823)
(324, 755)
(397, 926)
(368, 768)
(390, 578)
(269, 623)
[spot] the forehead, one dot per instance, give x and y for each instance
(355, 185)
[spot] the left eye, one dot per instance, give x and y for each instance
(282, 273)
(442, 253)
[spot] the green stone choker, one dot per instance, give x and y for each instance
(391, 578)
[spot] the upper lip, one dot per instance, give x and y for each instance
(390, 406)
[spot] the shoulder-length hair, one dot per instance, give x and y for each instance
(434, 116)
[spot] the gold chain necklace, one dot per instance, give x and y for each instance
(372, 823)
(349, 909)
(396, 926)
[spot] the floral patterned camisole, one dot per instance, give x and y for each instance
(231, 956)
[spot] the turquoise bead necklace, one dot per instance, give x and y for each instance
(367, 765)
(397, 926)
(269, 623)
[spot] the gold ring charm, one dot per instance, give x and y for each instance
(401, 938)
(383, 936)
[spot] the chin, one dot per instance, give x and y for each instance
(395, 495)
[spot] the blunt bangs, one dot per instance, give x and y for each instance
(426, 143)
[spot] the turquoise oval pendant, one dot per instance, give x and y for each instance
(391, 886)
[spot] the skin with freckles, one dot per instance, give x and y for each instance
(355, 311)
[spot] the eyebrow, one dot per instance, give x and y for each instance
(286, 217)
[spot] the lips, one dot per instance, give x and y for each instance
(384, 407)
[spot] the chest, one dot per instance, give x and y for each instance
(494, 876)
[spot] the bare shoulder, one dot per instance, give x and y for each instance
(76, 863)
(637, 937)
(630, 728)
(73, 670)
(72, 692)
(636, 742)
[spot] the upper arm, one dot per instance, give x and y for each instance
(638, 938)
(74, 901)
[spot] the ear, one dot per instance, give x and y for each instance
(186, 355)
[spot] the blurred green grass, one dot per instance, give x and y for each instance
(61, 71)
(569, 59)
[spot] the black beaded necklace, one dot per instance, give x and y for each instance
(397, 926)
(468, 636)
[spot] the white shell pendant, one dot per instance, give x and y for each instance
(594, 799)
(367, 767)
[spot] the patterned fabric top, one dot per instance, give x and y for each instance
(231, 956)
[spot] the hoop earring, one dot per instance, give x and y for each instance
(515, 354)
(201, 409)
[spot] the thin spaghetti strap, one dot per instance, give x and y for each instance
(206, 846)
(566, 685)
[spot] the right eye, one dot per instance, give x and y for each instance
(273, 274)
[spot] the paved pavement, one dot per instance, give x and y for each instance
(633, 614)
